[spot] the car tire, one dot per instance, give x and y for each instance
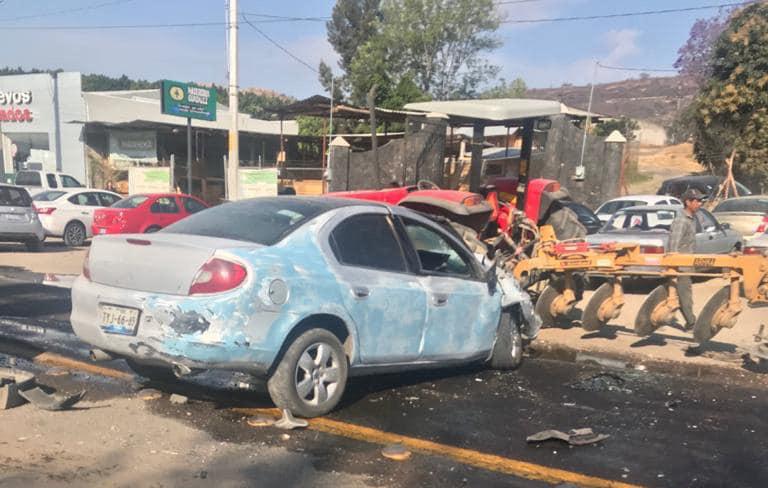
(508, 348)
(303, 382)
(152, 229)
(75, 234)
(34, 245)
(152, 372)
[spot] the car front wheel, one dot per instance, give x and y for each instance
(508, 347)
(311, 376)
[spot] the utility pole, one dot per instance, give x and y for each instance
(587, 122)
(234, 151)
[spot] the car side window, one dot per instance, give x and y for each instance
(51, 180)
(69, 182)
(368, 241)
(164, 205)
(191, 205)
(86, 199)
(436, 254)
(706, 220)
(107, 199)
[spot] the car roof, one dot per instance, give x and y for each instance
(651, 208)
(647, 196)
(747, 197)
(693, 178)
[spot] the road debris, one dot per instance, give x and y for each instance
(18, 386)
(260, 421)
(602, 382)
(148, 394)
(179, 399)
(396, 452)
(289, 422)
(574, 437)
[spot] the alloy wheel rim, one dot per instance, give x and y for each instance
(318, 374)
(75, 233)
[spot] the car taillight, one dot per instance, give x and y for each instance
(763, 225)
(652, 249)
(87, 265)
(216, 276)
(754, 250)
(45, 210)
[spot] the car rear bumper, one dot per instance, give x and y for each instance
(197, 332)
(21, 232)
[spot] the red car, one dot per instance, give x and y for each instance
(145, 213)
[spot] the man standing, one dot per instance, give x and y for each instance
(682, 239)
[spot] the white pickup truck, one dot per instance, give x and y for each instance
(39, 181)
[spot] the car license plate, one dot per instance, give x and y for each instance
(16, 218)
(118, 320)
(102, 231)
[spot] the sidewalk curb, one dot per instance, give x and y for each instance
(21, 275)
(747, 370)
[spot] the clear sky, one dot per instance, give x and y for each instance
(544, 55)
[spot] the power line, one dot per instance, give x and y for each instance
(627, 14)
(647, 70)
(278, 45)
(283, 18)
(108, 27)
(84, 8)
(512, 2)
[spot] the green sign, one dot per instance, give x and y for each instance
(187, 100)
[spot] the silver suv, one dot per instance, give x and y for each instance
(18, 220)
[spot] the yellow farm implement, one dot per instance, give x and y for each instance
(565, 262)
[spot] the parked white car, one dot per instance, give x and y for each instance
(70, 214)
(39, 181)
(18, 221)
(610, 207)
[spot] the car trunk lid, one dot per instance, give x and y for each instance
(745, 223)
(156, 263)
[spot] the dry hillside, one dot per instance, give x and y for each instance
(656, 164)
(653, 99)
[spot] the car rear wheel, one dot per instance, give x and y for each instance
(74, 234)
(34, 245)
(508, 347)
(311, 376)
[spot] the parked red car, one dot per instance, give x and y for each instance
(145, 213)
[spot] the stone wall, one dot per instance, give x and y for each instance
(417, 156)
(602, 162)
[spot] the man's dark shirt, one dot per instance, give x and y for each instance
(682, 235)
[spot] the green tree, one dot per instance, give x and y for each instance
(731, 110)
(514, 89)
(439, 44)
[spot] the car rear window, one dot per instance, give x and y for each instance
(14, 197)
(747, 205)
(48, 196)
(131, 202)
(641, 220)
(28, 178)
(261, 221)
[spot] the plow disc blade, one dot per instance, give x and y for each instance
(644, 324)
(593, 317)
(714, 317)
(544, 306)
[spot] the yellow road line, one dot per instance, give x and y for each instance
(53, 359)
(468, 457)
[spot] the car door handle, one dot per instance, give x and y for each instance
(439, 299)
(361, 292)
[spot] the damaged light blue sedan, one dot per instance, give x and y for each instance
(300, 291)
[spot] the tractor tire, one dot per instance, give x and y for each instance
(704, 329)
(643, 325)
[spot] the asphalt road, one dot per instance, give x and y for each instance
(665, 430)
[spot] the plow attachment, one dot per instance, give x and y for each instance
(565, 262)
